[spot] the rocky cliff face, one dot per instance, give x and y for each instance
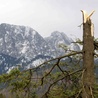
(20, 45)
(58, 38)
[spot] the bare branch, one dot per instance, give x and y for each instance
(46, 94)
(49, 71)
(61, 57)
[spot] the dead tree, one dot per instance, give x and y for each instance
(88, 56)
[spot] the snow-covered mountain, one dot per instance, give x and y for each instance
(18, 41)
(20, 45)
(56, 39)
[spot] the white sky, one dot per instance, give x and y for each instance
(46, 16)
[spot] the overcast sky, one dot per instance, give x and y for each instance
(46, 16)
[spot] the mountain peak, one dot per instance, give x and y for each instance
(15, 29)
(57, 33)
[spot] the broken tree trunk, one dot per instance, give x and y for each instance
(88, 56)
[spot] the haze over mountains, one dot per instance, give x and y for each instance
(20, 45)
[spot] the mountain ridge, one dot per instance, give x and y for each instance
(25, 44)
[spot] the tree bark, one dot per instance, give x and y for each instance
(88, 57)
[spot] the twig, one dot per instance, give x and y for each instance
(96, 54)
(81, 43)
(78, 93)
(62, 70)
(91, 92)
